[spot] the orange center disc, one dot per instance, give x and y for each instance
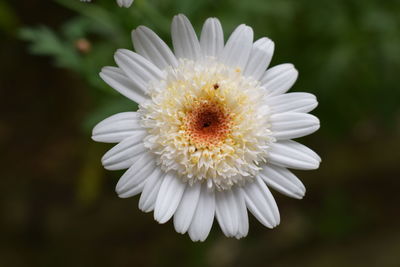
(207, 124)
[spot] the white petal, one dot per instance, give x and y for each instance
(283, 180)
(137, 68)
(243, 218)
(134, 190)
(227, 212)
(238, 47)
(204, 215)
(293, 125)
(123, 155)
(261, 203)
(279, 79)
(132, 182)
(117, 79)
(150, 191)
(184, 214)
(148, 44)
(212, 38)
(260, 57)
(184, 39)
(292, 102)
(116, 128)
(290, 154)
(124, 3)
(168, 198)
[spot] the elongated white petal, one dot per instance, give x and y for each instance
(292, 102)
(279, 79)
(116, 128)
(243, 218)
(184, 39)
(132, 182)
(283, 180)
(149, 45)
(227, 212)
(168, 198)
(124, 3)
(117, 79)
(137, 68)
(135, 189)
(150, 191)
(187, 207)
(293, 125)
(212, 38)
(238, 47)
(261, 203)
(260, 57)
(124, 154)
(291, 154)
(204, 215)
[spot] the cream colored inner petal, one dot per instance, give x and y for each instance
(207, 122)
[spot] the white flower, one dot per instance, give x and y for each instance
(121, 3)
(213, 128)
(124, 3)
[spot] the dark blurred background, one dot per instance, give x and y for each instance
(57, 204)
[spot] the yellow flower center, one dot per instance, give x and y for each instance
(207, 122)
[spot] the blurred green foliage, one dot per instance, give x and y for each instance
(8, 19)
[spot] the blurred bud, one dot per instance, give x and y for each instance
(83, 45)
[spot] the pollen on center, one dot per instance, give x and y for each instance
(207, 124)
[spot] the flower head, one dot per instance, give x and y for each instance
(121, 3)
(213, 128)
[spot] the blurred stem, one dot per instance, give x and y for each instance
(91, 177)
(95, 13)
